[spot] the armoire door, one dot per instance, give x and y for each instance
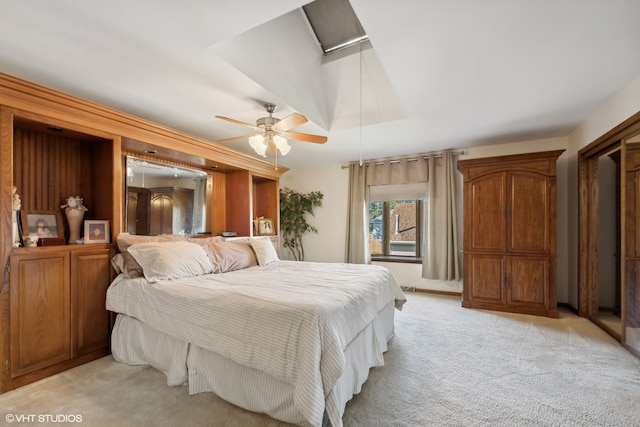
(483, 279)
(528, 281)
(529, 212)
(486, 213)
(161, 215)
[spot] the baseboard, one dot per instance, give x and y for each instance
(568, 307)
(435, 291)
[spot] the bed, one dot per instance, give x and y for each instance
(294, 340)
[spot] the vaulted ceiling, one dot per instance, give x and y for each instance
(436, 74)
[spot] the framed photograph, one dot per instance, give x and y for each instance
(42, 223)
(265, 227)
(96, 231)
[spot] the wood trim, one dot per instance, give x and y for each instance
(607, 141)
(6, 184)
(58, 106)
(437, 292)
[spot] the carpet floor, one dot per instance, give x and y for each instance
(446, 366)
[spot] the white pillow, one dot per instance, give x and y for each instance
(265, 252)
(170, 260)
(230, 256)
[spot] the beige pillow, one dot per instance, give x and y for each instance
(125, 240)
(265, 252)
(170, 260)
(230, 256)
(205, 240)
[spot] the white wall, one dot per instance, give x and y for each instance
(328, 245)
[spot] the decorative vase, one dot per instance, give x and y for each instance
(15, 229)
(74, 219)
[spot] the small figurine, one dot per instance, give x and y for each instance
(75, 203)
(16, 203)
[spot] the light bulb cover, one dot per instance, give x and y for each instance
(258, 143)
(281, 144)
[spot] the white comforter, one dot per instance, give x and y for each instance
(289, 319)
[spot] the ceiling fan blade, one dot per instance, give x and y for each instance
(307, 137)
(235, 138)
(289, 122)
(238, 122)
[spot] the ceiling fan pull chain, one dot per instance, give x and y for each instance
(360, 70)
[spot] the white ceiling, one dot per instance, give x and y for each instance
(437, 74)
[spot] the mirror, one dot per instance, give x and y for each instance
(632, 241)
(165, 199)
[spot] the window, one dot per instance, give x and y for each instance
(395, 229)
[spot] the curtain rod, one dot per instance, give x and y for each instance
(393, 160)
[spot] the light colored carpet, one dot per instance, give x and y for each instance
(446, 366)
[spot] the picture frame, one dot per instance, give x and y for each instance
(265, 227)
(96, 231)
(44, 224)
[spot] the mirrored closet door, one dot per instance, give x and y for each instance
(609, 233)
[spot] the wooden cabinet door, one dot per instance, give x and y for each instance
(485, 213)
(529, 213)
(90, 278)
(39, 303)
(483, 278)
(527, 283)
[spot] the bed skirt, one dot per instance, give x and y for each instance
(136, 343)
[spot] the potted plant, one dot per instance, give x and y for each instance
(294, 206)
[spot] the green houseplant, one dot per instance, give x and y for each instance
(294, 207)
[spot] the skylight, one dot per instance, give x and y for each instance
(334, 24)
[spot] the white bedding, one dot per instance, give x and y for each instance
(290, 320)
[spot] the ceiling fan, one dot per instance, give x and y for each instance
(272, 132)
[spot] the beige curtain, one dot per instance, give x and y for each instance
(357, 245)
(441, 260)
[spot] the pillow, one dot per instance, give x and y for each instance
(230, 256)
(125, 240)
(118, 263)
(170, 260)
(205, 240)
(265, 252)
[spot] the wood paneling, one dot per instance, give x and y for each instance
(239, 203)
(49, 167)
(265, 196)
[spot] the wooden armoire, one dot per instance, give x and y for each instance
(509, 236)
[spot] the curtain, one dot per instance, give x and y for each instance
(441, 260)
(357, 245)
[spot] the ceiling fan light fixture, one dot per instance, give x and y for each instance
(258, 143)
(281, 144)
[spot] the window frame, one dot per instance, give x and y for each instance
(410, 259)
